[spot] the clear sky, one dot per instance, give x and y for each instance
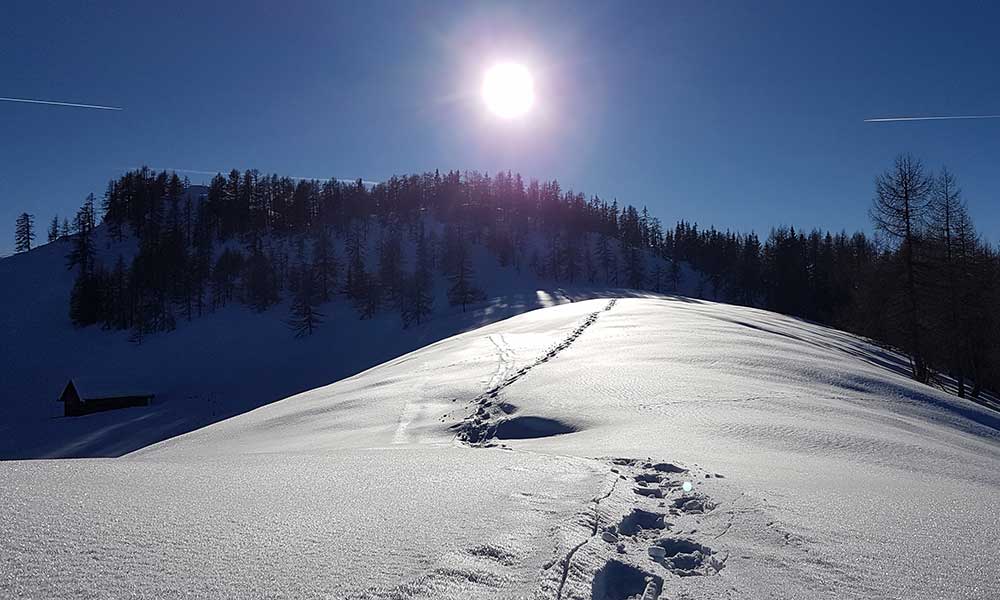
(739, 114)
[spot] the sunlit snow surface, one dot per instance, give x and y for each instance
(842, 478)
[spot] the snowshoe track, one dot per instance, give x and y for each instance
(481, 425)
(637, 555)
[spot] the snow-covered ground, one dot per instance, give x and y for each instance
(219, 365)
(216, 366)
(546, 456)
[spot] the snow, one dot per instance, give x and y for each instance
(216, 366)
(817, 470)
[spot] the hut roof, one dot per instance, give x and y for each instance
(92, 388)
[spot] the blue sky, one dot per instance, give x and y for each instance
(743, 115)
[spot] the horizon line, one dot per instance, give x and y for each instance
(60, 103)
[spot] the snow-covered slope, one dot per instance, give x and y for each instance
(544, 456)
(213, 367)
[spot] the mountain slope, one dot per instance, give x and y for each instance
(817, 469)
(223, 363)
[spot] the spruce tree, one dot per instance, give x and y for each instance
(83, 251)
(635, 271)
(324, 264)
(355, 283)
(418, 299)
(258, 280)
(305, 316)
(463, 290)
(54, 229)
(24, 232)
(390, 266)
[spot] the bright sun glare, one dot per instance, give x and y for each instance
(508, 90)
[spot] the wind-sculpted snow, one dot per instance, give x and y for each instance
(666, 448)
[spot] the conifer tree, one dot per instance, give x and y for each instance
(390, 267)
(356, 278)
(324, 264)
(54, 229)
(635, 271)
(419, 301)
(463, 290)
(608, 260)
(259, 286)
(24, 232)
(83, 251)
(305, 316)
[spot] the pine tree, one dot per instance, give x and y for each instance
(368, 297)
(83, 252)
(635, 271)
(608, 260)
(260, 290)
(419, 301)
(54, 229)
(356, 278)
(390, 267)
(86, 299)
(24, 232)
(305, 316)
(463, 288)
(324, 264)
(224, 275)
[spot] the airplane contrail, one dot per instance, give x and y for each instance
(935, 118)
(57, 103)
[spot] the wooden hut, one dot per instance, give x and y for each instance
(83, 396)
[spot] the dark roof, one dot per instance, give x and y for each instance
(91, 388)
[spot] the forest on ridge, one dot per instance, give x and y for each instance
(926, 284)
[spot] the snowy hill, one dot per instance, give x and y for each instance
(218, 365)
(603, 449)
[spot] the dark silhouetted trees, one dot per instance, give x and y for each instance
(24, 232)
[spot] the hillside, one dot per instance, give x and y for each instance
(817, 469)
(198, 293)
(227, 361)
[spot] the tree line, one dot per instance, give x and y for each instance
(925, 284)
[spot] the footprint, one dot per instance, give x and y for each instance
(665, 467)
(685, 557)
(619, 581)
(697, 504)
(650, 492)
(649, 477)
(641, 520)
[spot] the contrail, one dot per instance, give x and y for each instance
(364, 181)
(55, 103)
(937, 118)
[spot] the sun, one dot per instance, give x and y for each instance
(508, 90)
